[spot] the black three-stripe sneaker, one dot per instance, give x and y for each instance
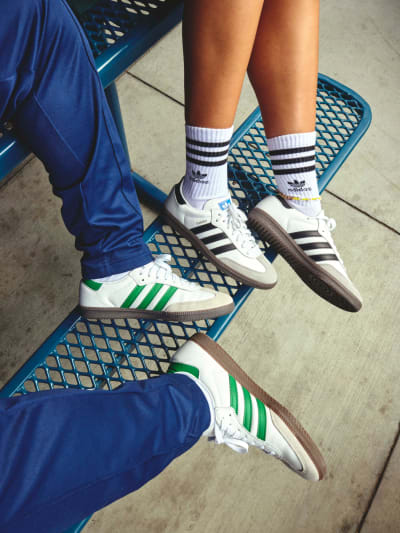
(306, 244)
(219, 231)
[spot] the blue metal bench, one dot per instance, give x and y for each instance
(103, 354)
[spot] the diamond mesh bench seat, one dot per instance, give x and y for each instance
(92, 354)
(87, 353)
(119, 32)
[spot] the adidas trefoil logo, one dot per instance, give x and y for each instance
(298, 186)
(197, 176)
(296, 183)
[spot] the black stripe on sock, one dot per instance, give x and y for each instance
(291, 161)
(324, 257)
(300, 170)
(314, 245)
(304, 234)
(214, 238)
(207, 163)
(207, 144)
(222, 249)
(285, 151)
(206, 154)
(202, 228)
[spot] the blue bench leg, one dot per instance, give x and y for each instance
(146, 190)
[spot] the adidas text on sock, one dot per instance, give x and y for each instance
(293, 162)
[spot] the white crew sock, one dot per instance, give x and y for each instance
(206, 164)
(117, 277)
(210, 400)
(113, 277)
(293, 163)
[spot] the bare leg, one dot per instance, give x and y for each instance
(218, 39)
(283, 70)
(283, 66)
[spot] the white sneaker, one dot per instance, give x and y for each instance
(155, 292)
(219, 231)
(244, 415)
(306, 244)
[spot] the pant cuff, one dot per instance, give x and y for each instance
(115, 262)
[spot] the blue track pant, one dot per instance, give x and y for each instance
(50, 90)
(65, 454)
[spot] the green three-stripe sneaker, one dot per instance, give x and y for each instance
(155, 292)
(245, 415)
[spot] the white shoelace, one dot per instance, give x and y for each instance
(228, 431)
(235, 220)
(160, 271)
(329, 224)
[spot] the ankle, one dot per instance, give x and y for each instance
(310, 207)
(293, 163)
(206, 174)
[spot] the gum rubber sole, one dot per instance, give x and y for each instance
(314, 276)
(181, 316)
(202, 248)
(222, 358)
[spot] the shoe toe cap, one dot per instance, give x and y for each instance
(262, 276)
(203, 300)
(304, 459)
(350, 292)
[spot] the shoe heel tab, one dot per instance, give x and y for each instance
(215, 351)
(178, 193)
(283, 201)
(189, 352)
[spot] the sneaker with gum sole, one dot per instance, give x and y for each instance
(242, 413)
(153, 292)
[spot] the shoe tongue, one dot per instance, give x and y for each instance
(218, 203)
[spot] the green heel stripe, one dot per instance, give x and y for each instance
(182, 367)
(92, 284)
